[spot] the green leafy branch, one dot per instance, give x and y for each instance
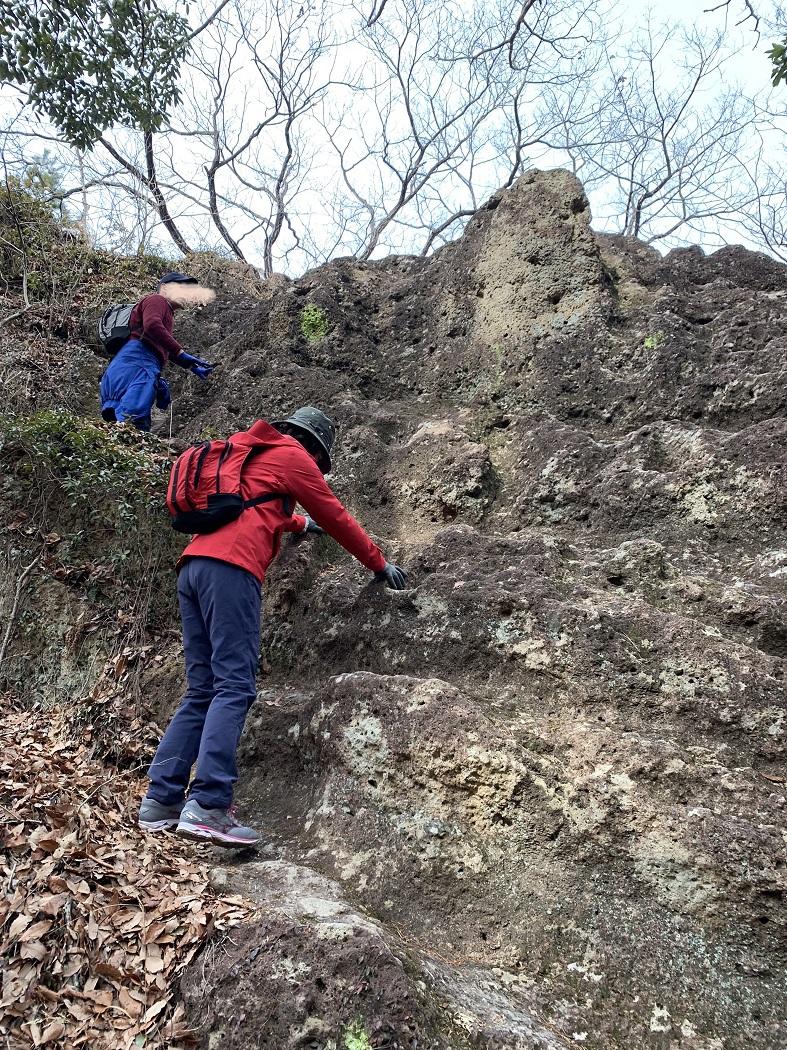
(90, 64)
(778, 57)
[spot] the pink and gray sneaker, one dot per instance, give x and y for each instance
(218, 826)
(153, 816)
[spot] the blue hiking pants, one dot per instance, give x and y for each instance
(128, 386)
(220, 609)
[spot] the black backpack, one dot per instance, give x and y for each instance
(114, 328)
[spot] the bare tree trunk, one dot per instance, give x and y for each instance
(85, 207)
(161, 203)
(21, 250)
(216, 217)
(151, 181)
(280, 205)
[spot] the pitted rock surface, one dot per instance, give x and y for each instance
(561, 753)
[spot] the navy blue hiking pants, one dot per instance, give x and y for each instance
(220, 610)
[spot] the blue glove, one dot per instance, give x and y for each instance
(163, 394)
(194, 364)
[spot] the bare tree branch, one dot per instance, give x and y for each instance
(510, 40)
(377, 11)
(748, 16)
(208, 22)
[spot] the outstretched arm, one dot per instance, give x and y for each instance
(307, 485)
(296, 523)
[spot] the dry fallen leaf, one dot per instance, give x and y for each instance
(46, 993)
(33, 950)
(52, 903)
(38, 929)
(129, 1004)
(21, 922)
(154, 1011)
(53, 1031)
(107, 970)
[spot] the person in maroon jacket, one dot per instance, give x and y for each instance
(133, 381)
(219, 590)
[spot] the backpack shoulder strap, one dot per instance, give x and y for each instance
(257, 448)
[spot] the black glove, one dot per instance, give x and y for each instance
(312, 527)
(393, 576)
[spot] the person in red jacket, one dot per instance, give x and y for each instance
(219, 590)
(133, 381)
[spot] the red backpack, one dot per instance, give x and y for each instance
(205, 484)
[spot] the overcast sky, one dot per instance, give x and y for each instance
(751, 67)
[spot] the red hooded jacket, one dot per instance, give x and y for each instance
(252, 540)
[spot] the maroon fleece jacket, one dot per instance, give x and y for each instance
(152, 320)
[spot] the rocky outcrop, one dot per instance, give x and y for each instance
(536, 800)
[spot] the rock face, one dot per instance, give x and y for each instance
(536, 800)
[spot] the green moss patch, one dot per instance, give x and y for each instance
(313, 323)
(355, 1038)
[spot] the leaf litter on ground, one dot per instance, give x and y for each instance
(98, 919)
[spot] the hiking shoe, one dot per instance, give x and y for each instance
(155, 817)
(215, 825)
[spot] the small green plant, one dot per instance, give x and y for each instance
(653, 342)
(355, 1038)
(314, 323)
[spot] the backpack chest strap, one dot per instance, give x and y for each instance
(270, 497)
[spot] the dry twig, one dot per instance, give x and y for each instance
(20, 583)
